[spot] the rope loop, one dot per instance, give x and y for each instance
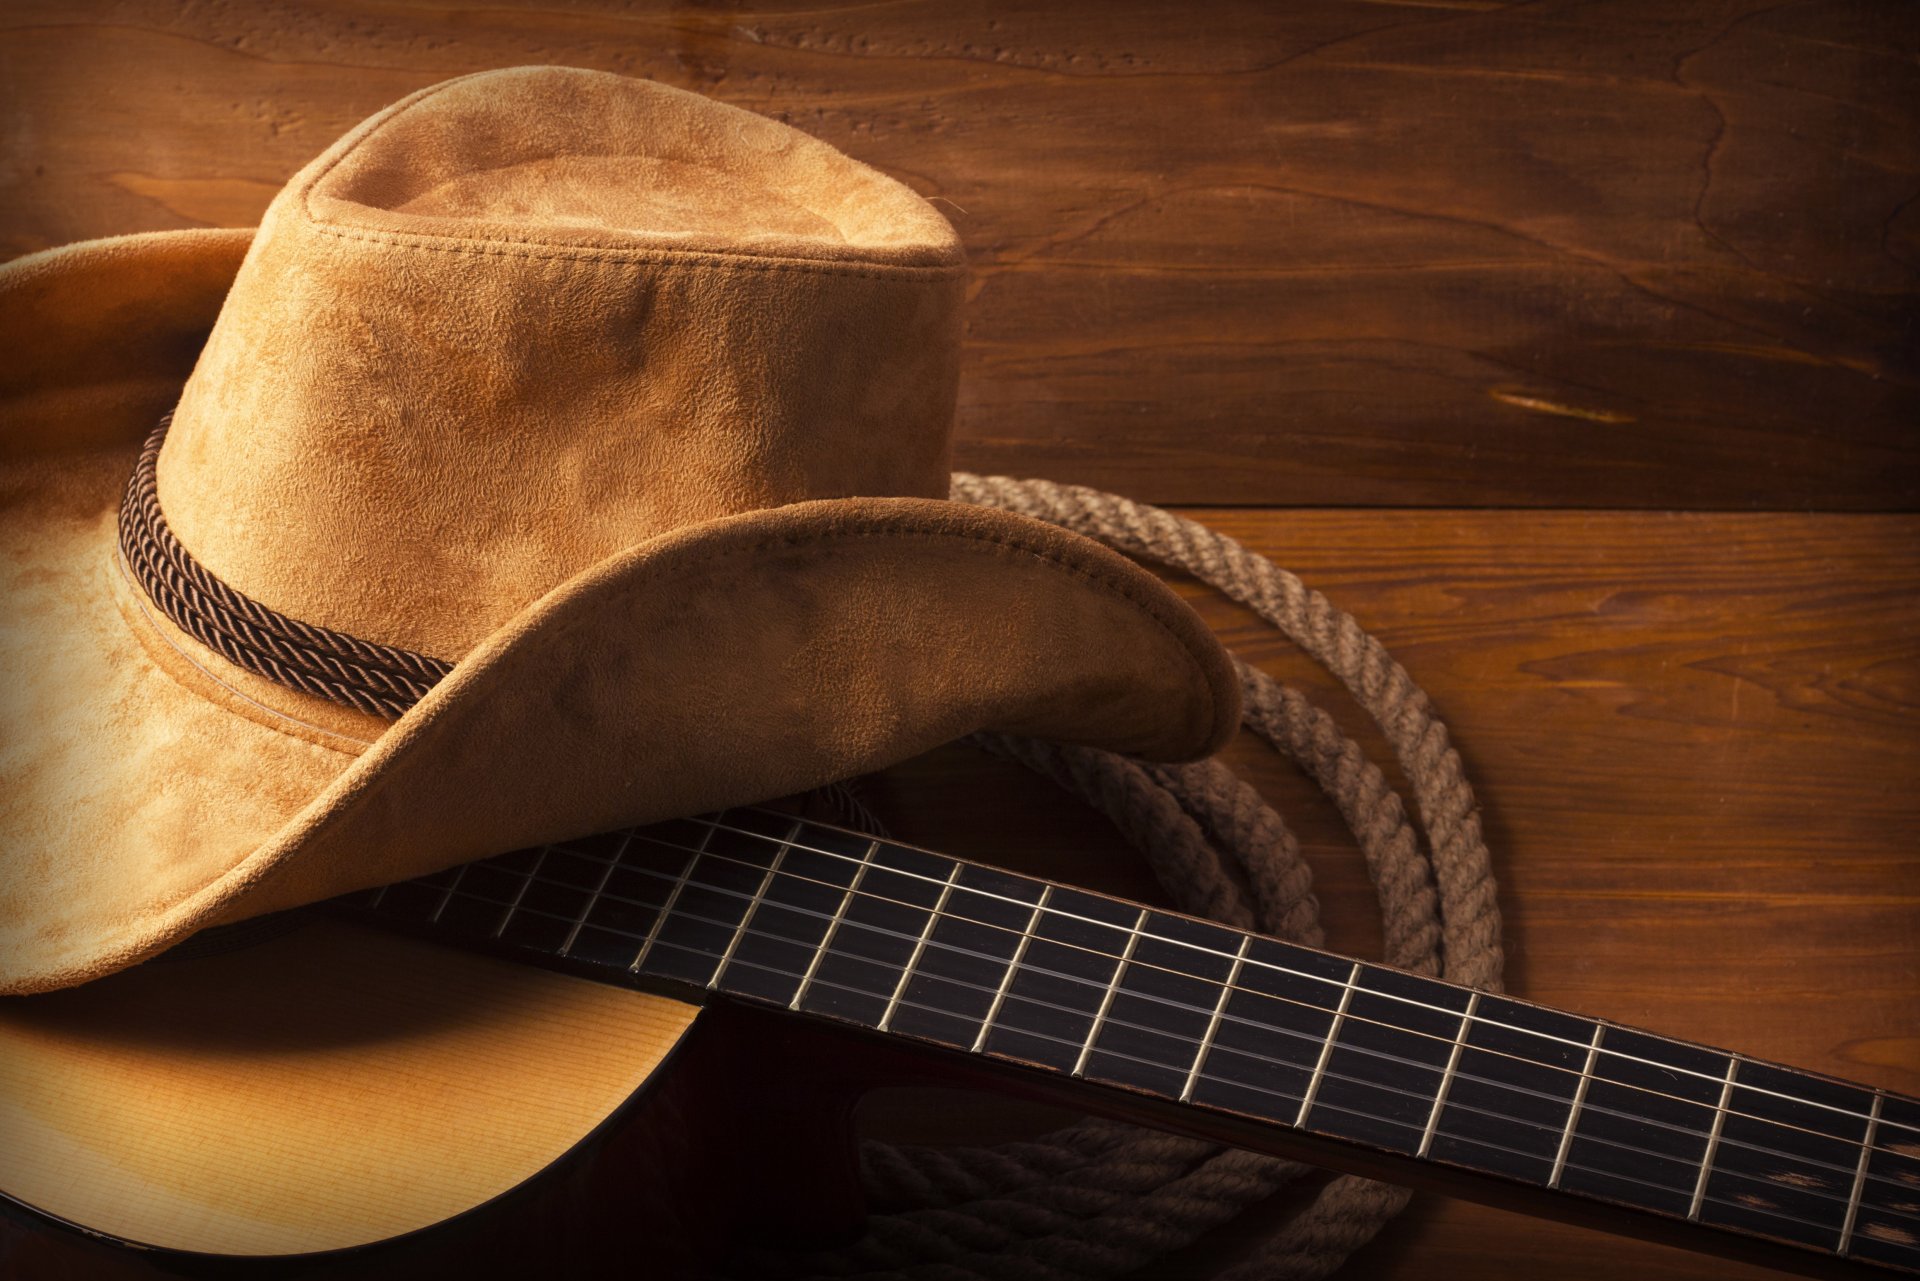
(1100, 1199)
(380, 680)
(1097, 1199)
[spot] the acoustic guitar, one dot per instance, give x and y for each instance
(547, 1063)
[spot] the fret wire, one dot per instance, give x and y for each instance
(599, 888)
(753, 905)
(672, 900)
(1227, 990)
(1860, 1175)
(1485, 1022)
(1333, 1076)
(1713, 1137)
(833, 924)
(440, 908)
(1039, 1001)
(1372, 1053)
(1404, 1000)
(1039, 911)
(1044, 1036)
(1063, 1041)
(1326, 1049)
(1446, 1078)
(1113, 989)
(519, 895)
(1579, 1101)
(1048, 887)
(1619, 1055)
(919, 947)
(1006, 980)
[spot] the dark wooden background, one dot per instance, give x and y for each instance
(1571, 346)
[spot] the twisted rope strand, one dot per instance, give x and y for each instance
(381, 680)
(1462, 867)
(401, 662)
(1096, 1199)
(1099, 1199)
(1401, 875)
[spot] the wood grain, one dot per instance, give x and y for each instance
(1439, 252)
(1696, 743)
(1448, 254)
(331, 1087)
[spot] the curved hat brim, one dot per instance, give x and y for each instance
(148, 794)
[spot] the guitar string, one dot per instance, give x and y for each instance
(1088, 982)
(1714, 1078)
(1082, 980)
(1107, 956)
(1582, 1046)
(661, 942)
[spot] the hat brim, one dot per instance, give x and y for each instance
(148, 793)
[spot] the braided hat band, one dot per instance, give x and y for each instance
(381, 680)
(997, 1212)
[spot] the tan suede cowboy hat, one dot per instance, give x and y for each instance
(567, 451)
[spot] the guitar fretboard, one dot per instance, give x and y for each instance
(762, 907)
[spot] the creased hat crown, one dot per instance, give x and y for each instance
(527, 378)
(479, 348)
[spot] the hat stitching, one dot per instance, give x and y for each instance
(278, 866)
(1100, 582)
(377, 679)
(504, 248)
(623, 579)
(708, 559)
(594, 252)
(1107, 584)
(147, 631)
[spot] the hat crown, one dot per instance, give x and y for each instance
(523, 320)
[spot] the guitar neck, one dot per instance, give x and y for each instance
(765, 908)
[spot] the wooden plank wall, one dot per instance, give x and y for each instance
(1360, 282)
(1440, 253)
(1696, 743)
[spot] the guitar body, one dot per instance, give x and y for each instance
(342, 1100)
(435, 1086)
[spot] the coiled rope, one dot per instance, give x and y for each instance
(1101, 1199)
(1097, 1199)
(380, 680)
